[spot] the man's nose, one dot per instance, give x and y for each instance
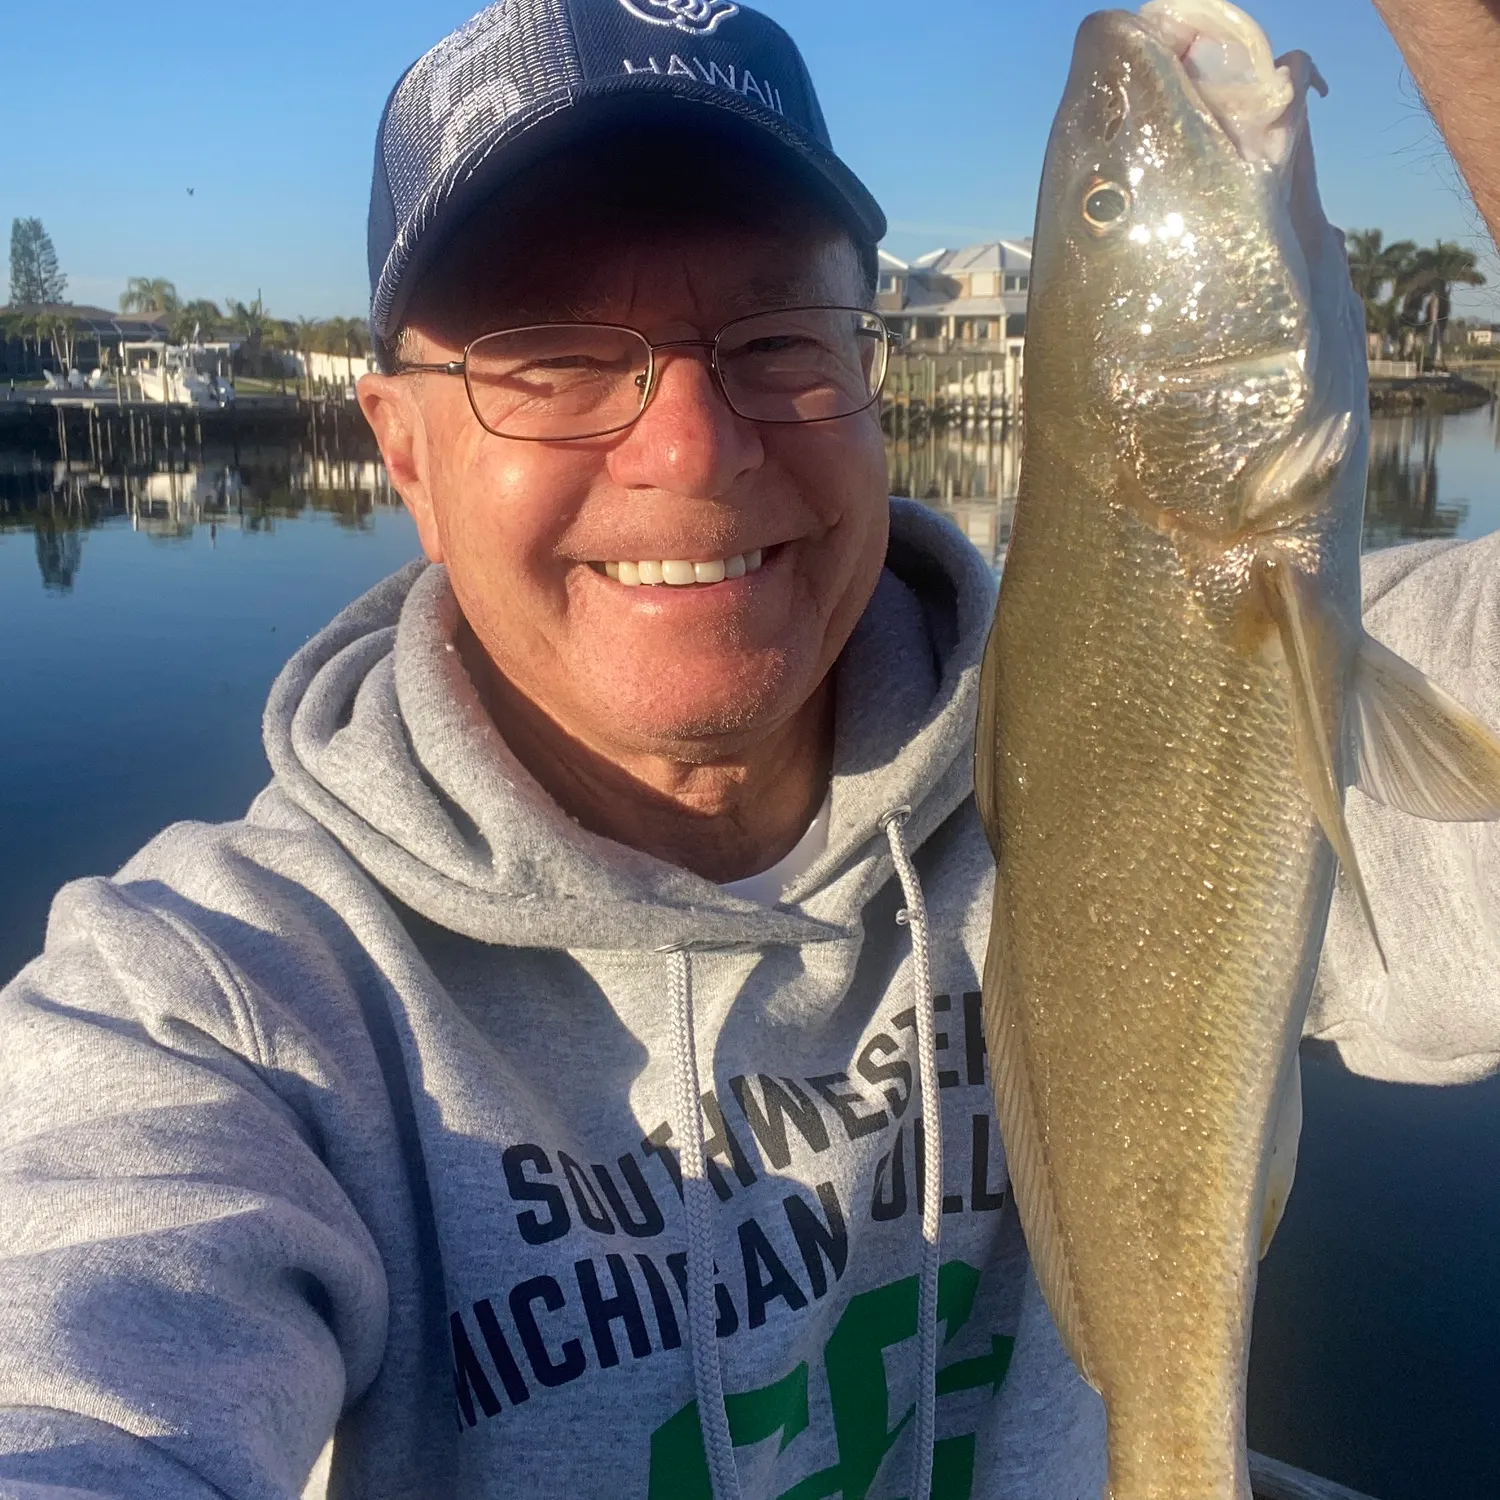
(688, 441)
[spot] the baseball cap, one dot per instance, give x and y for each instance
(527, 78)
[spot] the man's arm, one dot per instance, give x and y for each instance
(1434, 1016)
(1453, 50)
(187, 1296)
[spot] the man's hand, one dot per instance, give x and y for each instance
(1453, 50)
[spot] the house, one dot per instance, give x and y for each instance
(26, 343)
(1488, 336)
(967, 304)
(958, 301)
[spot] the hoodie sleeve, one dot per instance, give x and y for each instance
(1435, 887)
(187, 1296)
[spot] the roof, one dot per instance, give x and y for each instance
(98, 321)
(965, 307)
(992, 255)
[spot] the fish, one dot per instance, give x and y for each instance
(1175, 697)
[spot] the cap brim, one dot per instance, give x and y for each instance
(604, 108)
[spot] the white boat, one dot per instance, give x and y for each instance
(180, 374)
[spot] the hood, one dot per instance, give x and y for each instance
(375, 730)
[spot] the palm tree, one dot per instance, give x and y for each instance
(199, 318)
(149, 294)
(334, 335)
(1374, 266)
(1433, 275)
(25, 324)
(250, 324)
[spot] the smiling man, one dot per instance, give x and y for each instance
(535, 1092)
(656, 479)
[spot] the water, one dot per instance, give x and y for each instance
(141, 624)
(1429, 477)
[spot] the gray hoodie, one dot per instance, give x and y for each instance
(530, 1164)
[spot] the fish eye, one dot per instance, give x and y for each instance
(1105, 206)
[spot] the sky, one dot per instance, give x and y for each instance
(267, 111)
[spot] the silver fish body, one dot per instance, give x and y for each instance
(1168, 717)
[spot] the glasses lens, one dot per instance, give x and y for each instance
(565, 380)
(804, 365)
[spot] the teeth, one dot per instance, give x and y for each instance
(680, 574)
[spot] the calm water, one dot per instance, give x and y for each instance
(142, 621)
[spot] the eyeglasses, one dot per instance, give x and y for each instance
(558, 382)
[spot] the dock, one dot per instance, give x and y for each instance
(100, 428)
(923, 391)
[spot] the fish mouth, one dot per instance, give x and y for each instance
(1224, 63)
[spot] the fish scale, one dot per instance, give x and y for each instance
(1176, 693)
(1174, 799)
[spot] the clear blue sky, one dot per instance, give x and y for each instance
(268, 111)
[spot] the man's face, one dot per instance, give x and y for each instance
(525, 528)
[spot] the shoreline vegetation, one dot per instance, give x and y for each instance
(1438, 392)
(1406, 292)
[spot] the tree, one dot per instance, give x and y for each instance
(25, 324)
(197, 320)
(1433, 275)
(34, 274)
(63, 329)
(1373, 267)
(249, 322)
(149, 295)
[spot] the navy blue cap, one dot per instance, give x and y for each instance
(526, 78)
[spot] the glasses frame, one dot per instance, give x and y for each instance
(890, 339)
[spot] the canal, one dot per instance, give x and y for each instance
(143, 618)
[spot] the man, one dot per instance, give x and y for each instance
(532, 1087)
(1451, 47)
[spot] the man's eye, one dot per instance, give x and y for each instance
(569, 362)
(585, 366)
(784, 343)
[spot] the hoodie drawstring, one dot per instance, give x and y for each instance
(915, 917)
(697, 1198)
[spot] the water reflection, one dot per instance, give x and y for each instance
(970, 477)
(1401, 496)
(61, 502)
(973, 477)
(1417, 488)
(59, 550)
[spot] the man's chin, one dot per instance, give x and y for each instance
(705, 726)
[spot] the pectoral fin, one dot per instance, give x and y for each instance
(1315, 721)
(1283, 1167)
(1420, 750)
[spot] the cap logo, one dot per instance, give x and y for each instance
(696, 17)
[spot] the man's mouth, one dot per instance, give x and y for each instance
(675, 573)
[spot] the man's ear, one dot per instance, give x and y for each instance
(390, 407)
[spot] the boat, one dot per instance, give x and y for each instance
(195, 374)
